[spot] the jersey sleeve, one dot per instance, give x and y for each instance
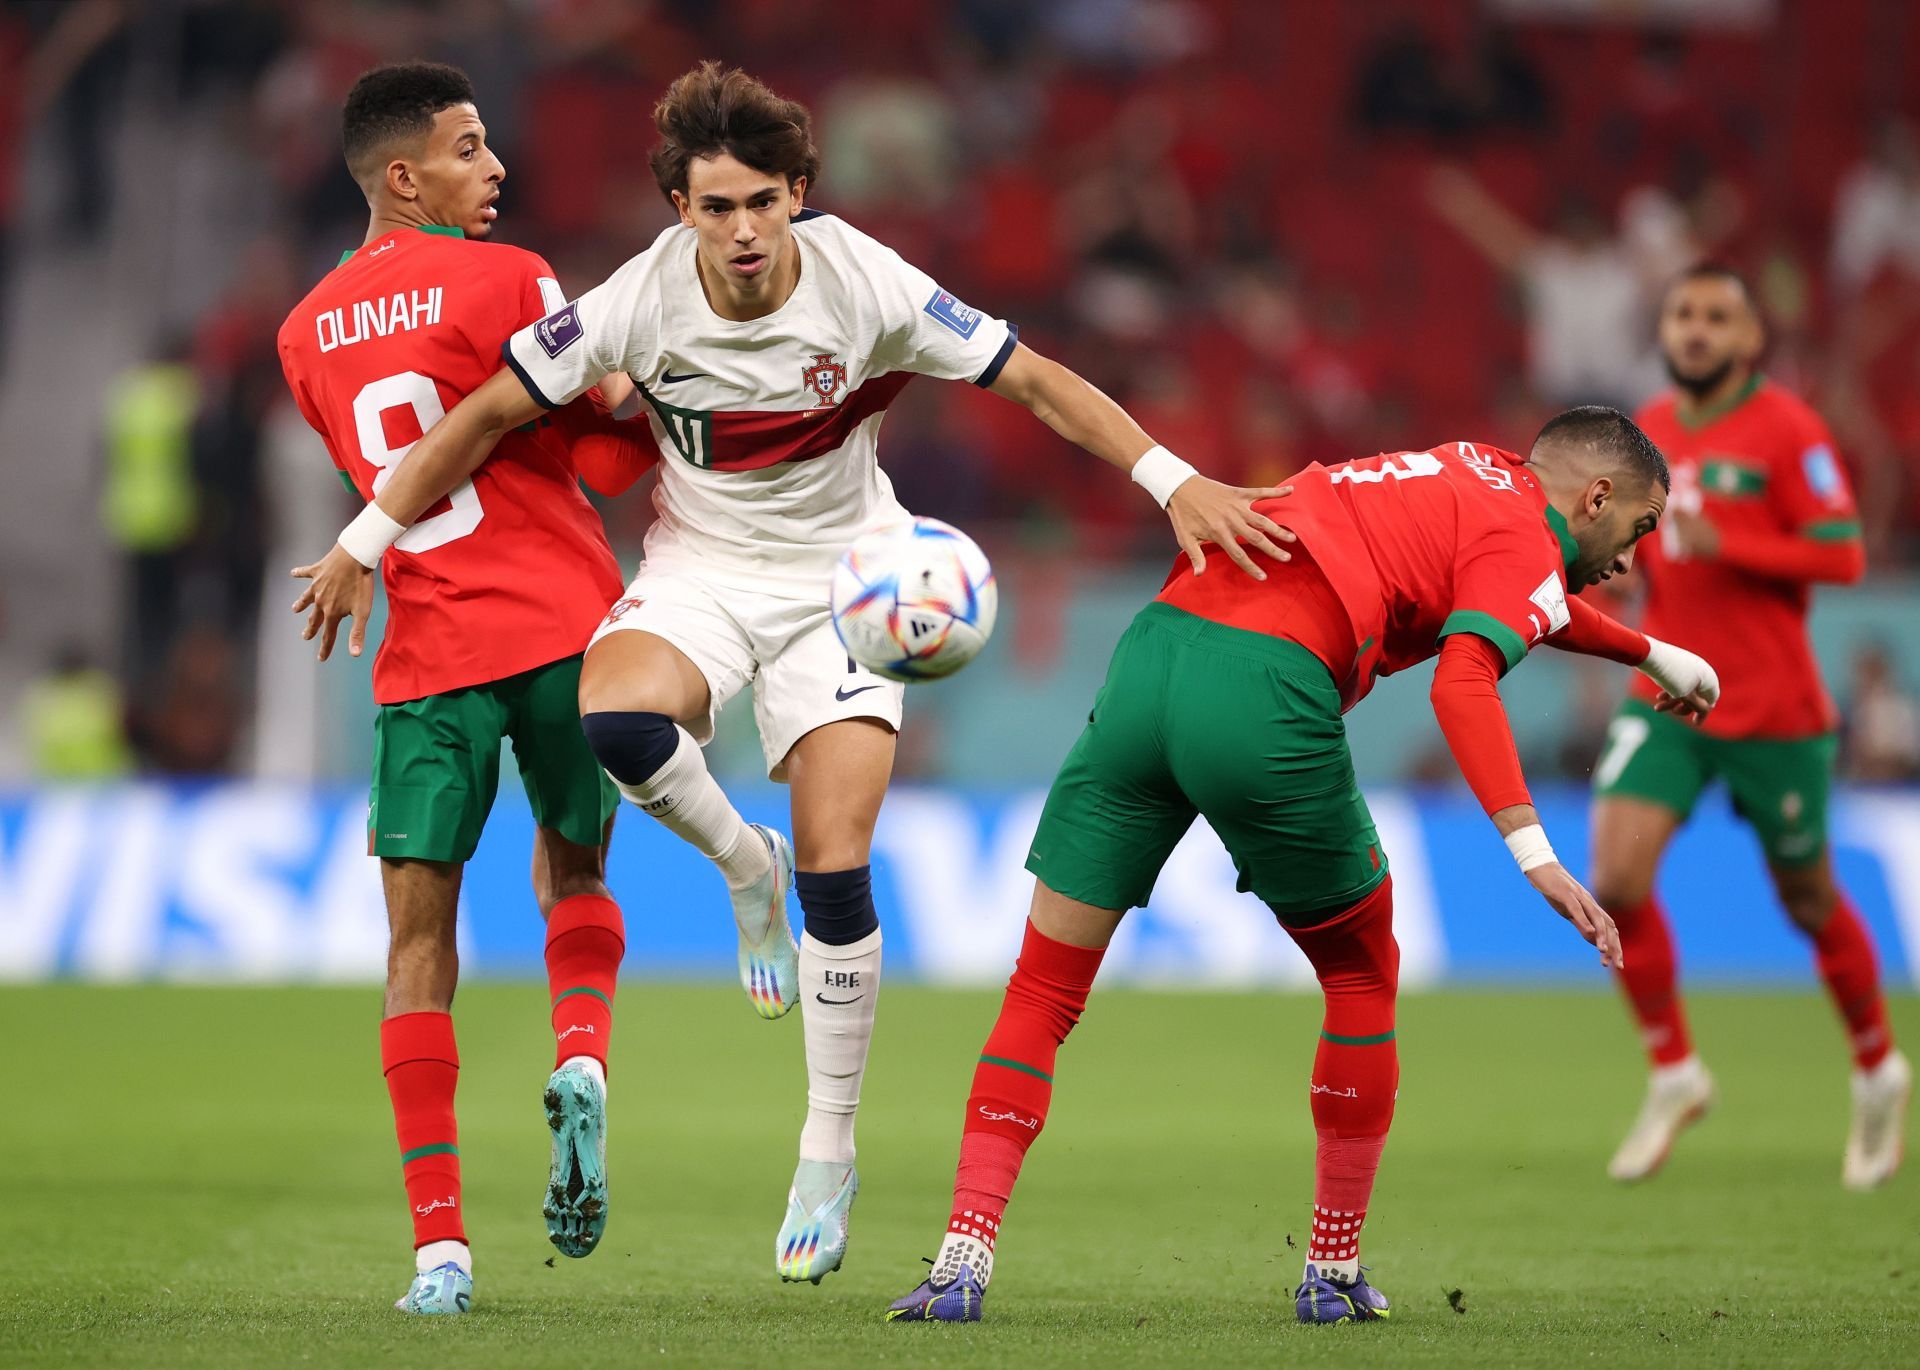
(1467, 705)
(1506, 590)
(1810, 488)
(520, 289)
(926, 330)
(560, 355)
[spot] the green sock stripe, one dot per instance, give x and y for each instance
(581, 989)
(1373, 1041)
(1024, 1069)
(437, 1149)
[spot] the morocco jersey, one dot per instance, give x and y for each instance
(512, 570)
(1762, 469)
(768, 428)
(1417, 546)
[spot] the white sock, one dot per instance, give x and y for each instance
(838, 987)
(592, 1067)
(1340, 1272)
(436, 1254)
(964, 1248)
(687, 799)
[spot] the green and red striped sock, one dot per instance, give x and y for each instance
(1356, 1072)
(1013, 1084)
(586, 938)
(423, 1068)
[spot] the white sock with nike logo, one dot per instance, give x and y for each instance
(838, 987)
(686, 798)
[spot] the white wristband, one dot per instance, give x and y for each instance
(1680, 672)
(1530, 847)
(370, 534)
(1160, 473)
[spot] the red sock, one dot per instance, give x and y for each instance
(422, 1066)
(1844, 951)
(1356, 1070)
(1013, 1084)
(585, 940)
(1651, 980)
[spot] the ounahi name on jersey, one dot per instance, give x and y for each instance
(770, 425)
(511, 571)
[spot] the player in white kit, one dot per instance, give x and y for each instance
(767, 340)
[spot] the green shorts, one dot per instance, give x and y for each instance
(1779, 785)
(436, 765)
(1197, 718)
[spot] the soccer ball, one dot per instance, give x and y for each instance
(914, 601)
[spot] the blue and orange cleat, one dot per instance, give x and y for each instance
(443, 1290)
(1319, 1299)
(958, 1300)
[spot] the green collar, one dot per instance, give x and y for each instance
(440, 229)
(1721, 410)
(1569, 549)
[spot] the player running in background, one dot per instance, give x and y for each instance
(1224, 700)
(767, 340)
(1761, 514)
(492, 596)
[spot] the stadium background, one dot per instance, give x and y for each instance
(1255, 221)
(1277, 232)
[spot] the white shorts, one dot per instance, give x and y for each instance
(802, 677)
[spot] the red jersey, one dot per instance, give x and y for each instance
(1418, 546)
(1761, 471)
(512, 570)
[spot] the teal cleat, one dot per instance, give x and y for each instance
(813, 1239)
(576, 1206)
(443, 1291)
(769, 957)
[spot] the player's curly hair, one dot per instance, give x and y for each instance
(396, 102)
(714, 109)
(1609, 433)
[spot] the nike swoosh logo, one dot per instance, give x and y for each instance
(840, 1003)
(843, 694)
(668, 378)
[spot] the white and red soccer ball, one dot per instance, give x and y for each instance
(914, 601)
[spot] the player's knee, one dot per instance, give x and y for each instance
(838, 905)
(1809, 906)
(1619, 889)
(631, 747)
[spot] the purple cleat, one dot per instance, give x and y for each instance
(1319, 1299)
(958, 1300)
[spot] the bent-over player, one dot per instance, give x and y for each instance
(1224, 700)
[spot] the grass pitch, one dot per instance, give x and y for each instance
(208, 1177)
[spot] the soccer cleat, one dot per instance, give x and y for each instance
(958, 1300)
(1319, 1299)
(1677, 1097)
(813, 1239)
(443, 1291)
(1878, 1137)
(576, 1204)
(769, 957)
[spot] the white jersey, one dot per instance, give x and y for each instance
(768, 428)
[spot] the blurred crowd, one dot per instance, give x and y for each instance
(1276, 230)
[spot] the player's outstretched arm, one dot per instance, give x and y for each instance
(341, 583)
(1527, 840)
(1689, 686)
(1202, 510)
(1466, 702)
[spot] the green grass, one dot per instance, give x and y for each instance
(209, 1177)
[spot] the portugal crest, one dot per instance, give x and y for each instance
(824, 378)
